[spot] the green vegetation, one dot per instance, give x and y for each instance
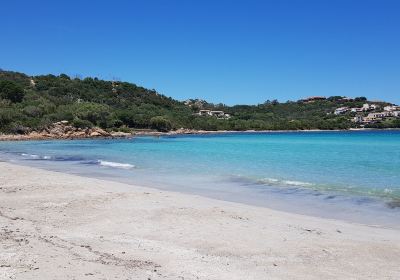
(31, 103)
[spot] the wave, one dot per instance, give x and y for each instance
(277, 182)
(387, 193)
(34, 156)
(115, 164)
(82, 160)
(53, 158)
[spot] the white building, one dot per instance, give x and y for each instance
(204, 113)
(357, 110)
(391, 108)
(217, 114)
(369, 107)
(396, 114)
(358, 119)
(365, 108)
(341, 110)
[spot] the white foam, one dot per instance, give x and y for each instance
(115, 164)
(297, 183)
(30, 155)
(285, 182)
(269, 180)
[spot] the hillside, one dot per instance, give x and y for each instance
(33, 103)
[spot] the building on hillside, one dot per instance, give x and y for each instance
(376, 117)
(365, 108)
(358, 119)
(391, 108)
(204, 113)
(380, 114)
(372, 117)
(217, 114)
(396, 114)
(357, 110)
(341, 110)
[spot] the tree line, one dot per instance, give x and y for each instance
(33, 103)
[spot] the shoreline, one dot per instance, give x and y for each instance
(56, 225)
(180, 132)
(372, 214)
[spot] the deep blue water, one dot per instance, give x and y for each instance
(349, 175)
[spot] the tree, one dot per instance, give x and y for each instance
(64, 76)
(11, 91)
(160, 123)
(361, 98)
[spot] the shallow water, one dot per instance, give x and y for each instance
(344, 175)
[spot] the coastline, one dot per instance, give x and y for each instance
(56, 225)
(122, 135)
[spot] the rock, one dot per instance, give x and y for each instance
(95, 134)
(79, 134)
(61, 130)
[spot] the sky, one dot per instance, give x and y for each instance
(228, 51)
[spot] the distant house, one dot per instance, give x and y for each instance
(372, 117)
(373, 107)
(341, 110)
(379, 115)
(396, 114)
(375, 117)
(365, 108)
(217, 114)
(391, 108)
(204, 113)
(358, 119)
(357, 110)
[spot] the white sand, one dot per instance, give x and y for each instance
(59, 226)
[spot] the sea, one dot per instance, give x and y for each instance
(345, 175)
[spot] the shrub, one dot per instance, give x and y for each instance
(160, 123)
(11, 91)
(77, 122)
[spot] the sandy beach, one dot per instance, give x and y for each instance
(60, 226)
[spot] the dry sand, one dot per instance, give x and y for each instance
(60, 226)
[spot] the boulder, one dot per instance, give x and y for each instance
(95, 134)
(101, 132)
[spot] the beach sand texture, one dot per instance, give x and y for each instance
(60, 226)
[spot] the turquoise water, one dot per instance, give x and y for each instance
(349, 175)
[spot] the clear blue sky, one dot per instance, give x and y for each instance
(223, 51)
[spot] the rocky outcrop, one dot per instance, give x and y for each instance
(63, 130)
(60, 130)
